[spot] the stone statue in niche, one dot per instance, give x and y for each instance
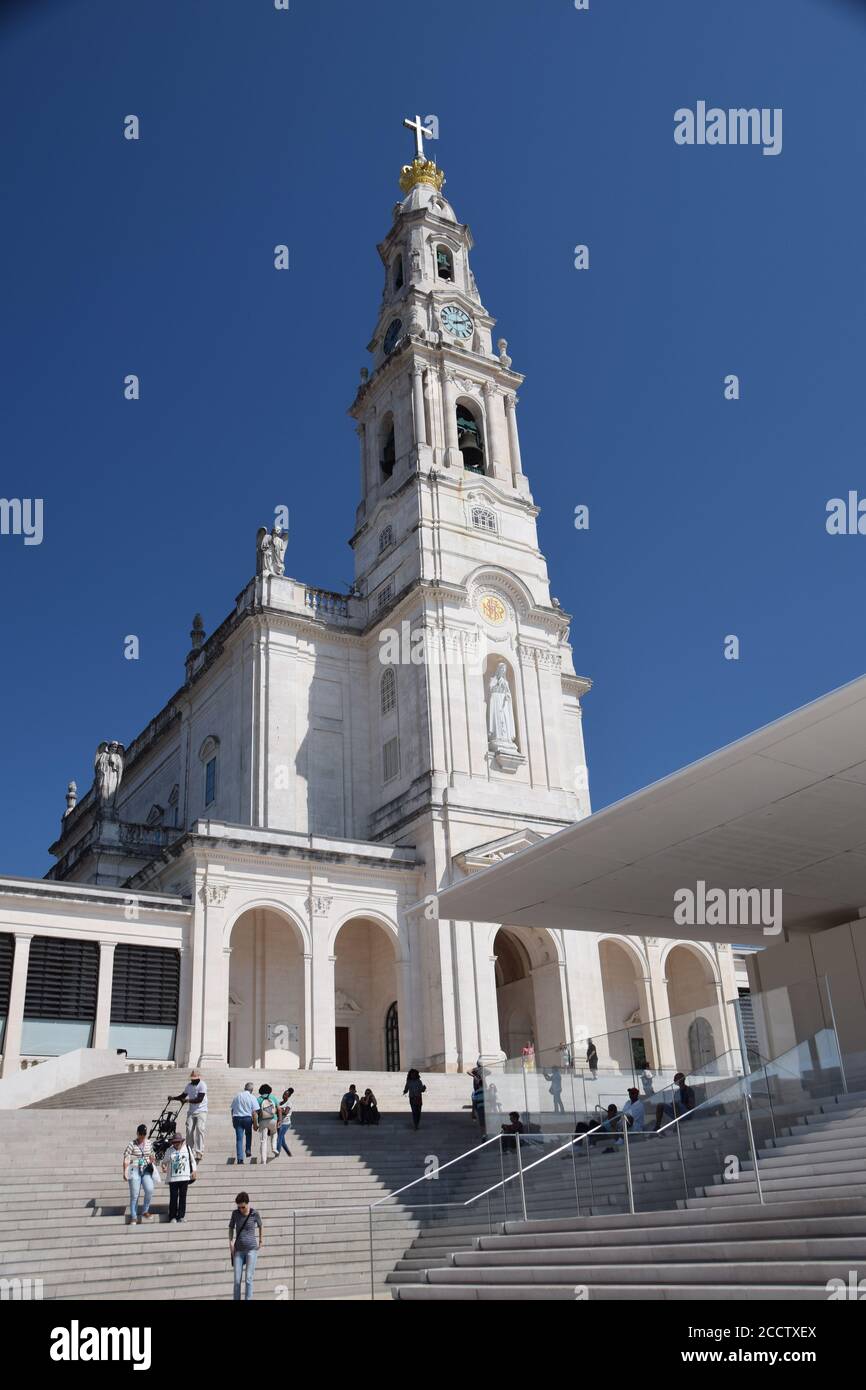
(108, 770)
(271, 546)
(500, 711)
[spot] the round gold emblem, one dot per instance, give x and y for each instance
(493, 609)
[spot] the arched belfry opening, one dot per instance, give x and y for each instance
(444, 263)
(387, 447)
(470, 440)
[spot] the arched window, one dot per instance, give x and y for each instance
(388, 691)
(444, 263)
(388, 450)
(208, 755)
(470, 441)
(386, 538)
(398, 273)
(484, 518)
(392, 1039)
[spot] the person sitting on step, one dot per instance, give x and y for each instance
(681, 1102)
(349, 1105)
(369, 1109)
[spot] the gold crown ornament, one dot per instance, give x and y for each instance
(421, 171)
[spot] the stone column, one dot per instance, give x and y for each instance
(183, 1039)
(657, 988)
(498, 464)
(513, 437)
(215, 994)
(489, 1043)
(409, 1050)
(307, 1050)
(103, 995)
(418, 404)
(324, 1014)
(449, 409)
(15, 1016)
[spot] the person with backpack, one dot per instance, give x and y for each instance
(245, 1242)
(285, 1121)
(414, 1089)
(138, 1171)
(179, 1166)
(265, 1121)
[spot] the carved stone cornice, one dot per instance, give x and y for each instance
(540, 656)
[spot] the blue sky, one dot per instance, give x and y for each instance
(556, 127)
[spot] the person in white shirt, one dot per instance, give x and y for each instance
(285, 1113)
(179, 1165)
(195, 1094)
(244, 1107)
(635, 1110)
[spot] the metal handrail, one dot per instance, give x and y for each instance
(440, 1168)
(744, 1085)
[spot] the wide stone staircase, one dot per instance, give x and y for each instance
(719, 1242)
(62, 1196)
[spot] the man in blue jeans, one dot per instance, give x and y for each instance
(244, 1106)
(245, 1242)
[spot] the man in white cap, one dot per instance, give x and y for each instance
(195, 1095)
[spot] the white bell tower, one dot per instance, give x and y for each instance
(437, 405)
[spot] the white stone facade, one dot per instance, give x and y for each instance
(287, 819)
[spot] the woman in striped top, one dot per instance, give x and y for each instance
(139, 1165)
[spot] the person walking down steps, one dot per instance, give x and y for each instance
(139, 1171)
(245, 1242)
(195, 1095)
(414, 1089)
(179, 1167)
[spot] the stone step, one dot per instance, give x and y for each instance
(558, 1293)
(643, 1237)
(735, 1273)
(778, 1251)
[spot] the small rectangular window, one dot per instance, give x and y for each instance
(210, 782)
(385, 595)
(390, 759)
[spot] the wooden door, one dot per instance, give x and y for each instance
(342, 1048)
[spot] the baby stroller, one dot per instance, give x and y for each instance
(163, 1127)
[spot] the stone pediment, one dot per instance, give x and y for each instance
(483, 856)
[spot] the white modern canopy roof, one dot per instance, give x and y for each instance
(783, 808)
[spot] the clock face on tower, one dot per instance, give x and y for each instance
(394, 330)
(456, 320)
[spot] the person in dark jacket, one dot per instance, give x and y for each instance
(369, 1108)
(681, 1102)
(414, 1089)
